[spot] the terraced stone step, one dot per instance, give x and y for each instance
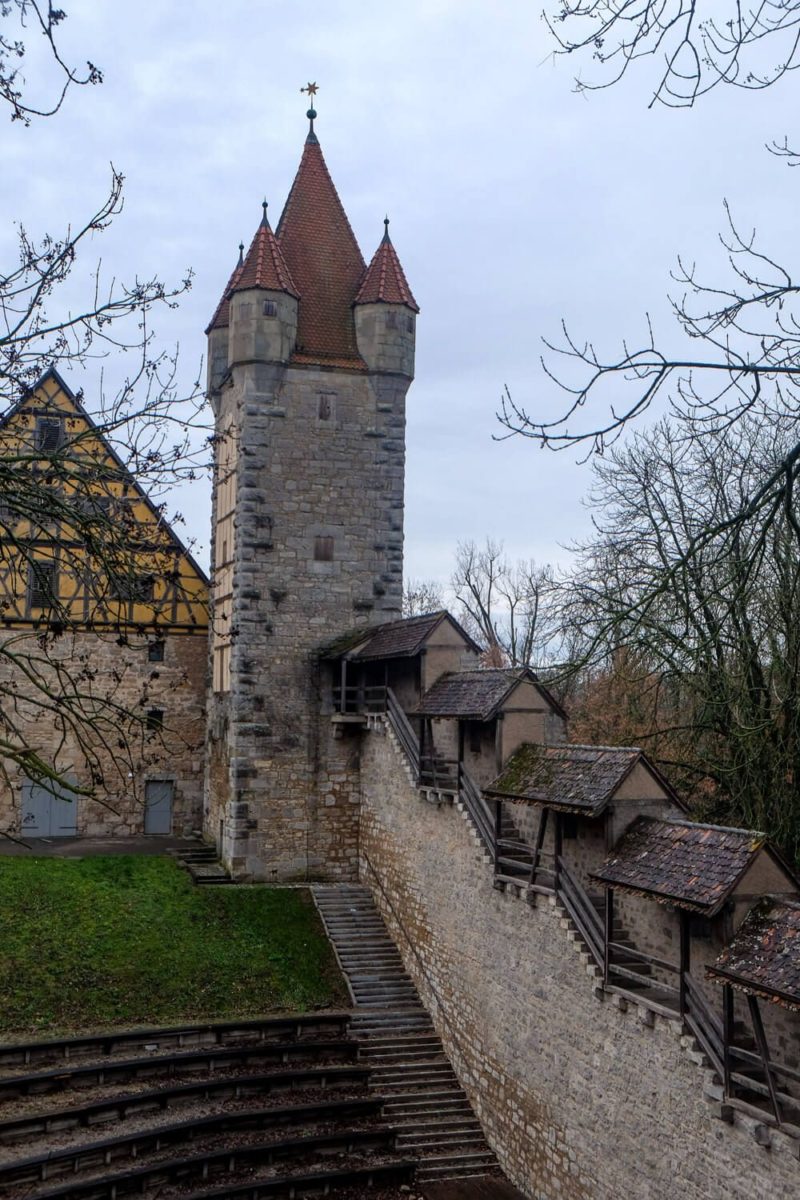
(167, 1066)
(87, 1156)
(121, 1106)
(160, 1037)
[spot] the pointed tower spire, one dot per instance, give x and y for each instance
(385, 281)
(264, 265)
(323, 256)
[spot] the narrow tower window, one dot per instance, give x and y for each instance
(270, 308)
(326, 409)
(323, 549)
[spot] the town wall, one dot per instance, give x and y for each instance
(582, 1098)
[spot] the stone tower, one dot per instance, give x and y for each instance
(310, 357)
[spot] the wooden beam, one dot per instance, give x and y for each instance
(763, 1049)
(498, 816)
(727, 1038)
(559, 842)
(608, 935)
(685, 959)
(537, 849)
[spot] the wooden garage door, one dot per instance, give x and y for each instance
(47, 813)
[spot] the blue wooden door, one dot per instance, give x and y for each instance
(47, 813)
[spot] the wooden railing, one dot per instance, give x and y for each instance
(437, 772)
(704, 1023)
(477, 807)
(578, 903)
(764, 1076)
(357, 699)
(403, 731)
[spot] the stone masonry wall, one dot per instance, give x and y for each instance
(321, 457)
(580, 1099)
(121, 670)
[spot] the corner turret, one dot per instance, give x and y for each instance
(386, 313)
(263, 304)
(256, 319)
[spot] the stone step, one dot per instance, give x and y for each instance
(420, 1092)
(430, 1128)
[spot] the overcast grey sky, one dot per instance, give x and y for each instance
(514, 202)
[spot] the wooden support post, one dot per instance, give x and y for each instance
(498, 742)
(537, 850)
(727, 1038)
(608, 935)
(559, 840)
(763, 1049)
(685, 959)
(343, 687)
(498, 817)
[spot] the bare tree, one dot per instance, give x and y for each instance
(695, 46)
(504, 604)
(422, 596)
(68, 494)
(710, 642)
(22, 18)
(747, 365)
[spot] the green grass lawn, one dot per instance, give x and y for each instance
(102, 942)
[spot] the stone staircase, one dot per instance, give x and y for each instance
(424, 1100)
(203, 864)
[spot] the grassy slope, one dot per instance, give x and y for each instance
(98, 942)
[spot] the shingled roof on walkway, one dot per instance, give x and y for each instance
(476, 695)
(573, 778)
(764, 956)
(395, 639)
(682, 862)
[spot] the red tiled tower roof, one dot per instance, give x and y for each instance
(264, 265)
(323, 257)
(385, 281)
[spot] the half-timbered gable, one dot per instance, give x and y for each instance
(82, 544)
(103, 621)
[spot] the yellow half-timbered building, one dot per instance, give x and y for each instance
(103, 635)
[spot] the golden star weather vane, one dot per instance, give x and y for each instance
(311, 90)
